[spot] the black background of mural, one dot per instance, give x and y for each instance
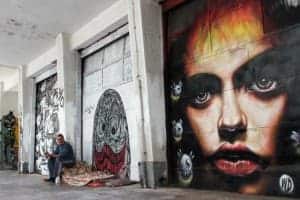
(179, 21)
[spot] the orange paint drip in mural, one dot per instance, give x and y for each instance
(222, 29)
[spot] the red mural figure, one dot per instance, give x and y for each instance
(238, 107)
(111, 139)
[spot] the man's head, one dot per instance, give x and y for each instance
(60, 139)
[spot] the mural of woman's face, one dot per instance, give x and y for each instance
(235, 100)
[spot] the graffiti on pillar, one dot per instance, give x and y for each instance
(49, 102)
(233, 74)
(10, 139)
(111, 138)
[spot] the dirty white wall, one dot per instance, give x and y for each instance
(9, 94)
(1, 92)
(145, 107)
(64, 53)
(10, 102)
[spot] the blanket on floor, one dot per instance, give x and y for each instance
(82, 174)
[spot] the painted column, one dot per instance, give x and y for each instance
(69, 79)
(146, 36)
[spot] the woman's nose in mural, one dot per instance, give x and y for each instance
(232, 122)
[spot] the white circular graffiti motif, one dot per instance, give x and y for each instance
(286, 184)
(185, 172)
(176, 90)
(177, 129)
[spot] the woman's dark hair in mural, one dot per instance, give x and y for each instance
(234, 86)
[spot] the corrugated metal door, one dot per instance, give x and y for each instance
(105, 130)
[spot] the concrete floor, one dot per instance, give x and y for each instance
(30, 187)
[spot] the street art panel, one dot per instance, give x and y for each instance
(233, 108)
(111, 138)
(105, 129)
(49, 103)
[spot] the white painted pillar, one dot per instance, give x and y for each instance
(69, 79)
(146, 35)
(26, 101)
(1, 136)
(1, 98)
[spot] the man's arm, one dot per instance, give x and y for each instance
(55, 153)
(65, 152)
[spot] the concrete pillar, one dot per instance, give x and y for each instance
(26, 101)
(1, 136)
(1, 97)
(146, 35)
(69, 79)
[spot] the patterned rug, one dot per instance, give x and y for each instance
(82, 174)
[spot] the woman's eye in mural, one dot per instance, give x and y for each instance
(264, 85)
(201, 88)
(201, 99)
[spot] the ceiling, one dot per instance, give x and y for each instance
(29, 27)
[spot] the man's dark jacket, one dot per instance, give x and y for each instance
(65, 152)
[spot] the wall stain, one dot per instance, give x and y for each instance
(24, 29)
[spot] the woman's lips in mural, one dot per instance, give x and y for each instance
(237, 168)
(236, 160)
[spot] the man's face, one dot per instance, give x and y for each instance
(59, 140)
(235, 102)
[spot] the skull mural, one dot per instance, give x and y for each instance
(177, 129)
(176, 90)
(185, 165)
(111, 139)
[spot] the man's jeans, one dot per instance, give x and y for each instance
(55, 166)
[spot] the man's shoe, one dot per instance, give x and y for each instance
(49, 180)
(57, 180)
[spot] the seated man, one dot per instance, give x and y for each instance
(63, 156)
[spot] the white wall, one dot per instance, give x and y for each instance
(145, 108)
(64, 53)
(107, 21)
(10, 102)
(9, 94)
(1, 92)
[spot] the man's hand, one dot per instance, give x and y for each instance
(50, 155)
(47, 155)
